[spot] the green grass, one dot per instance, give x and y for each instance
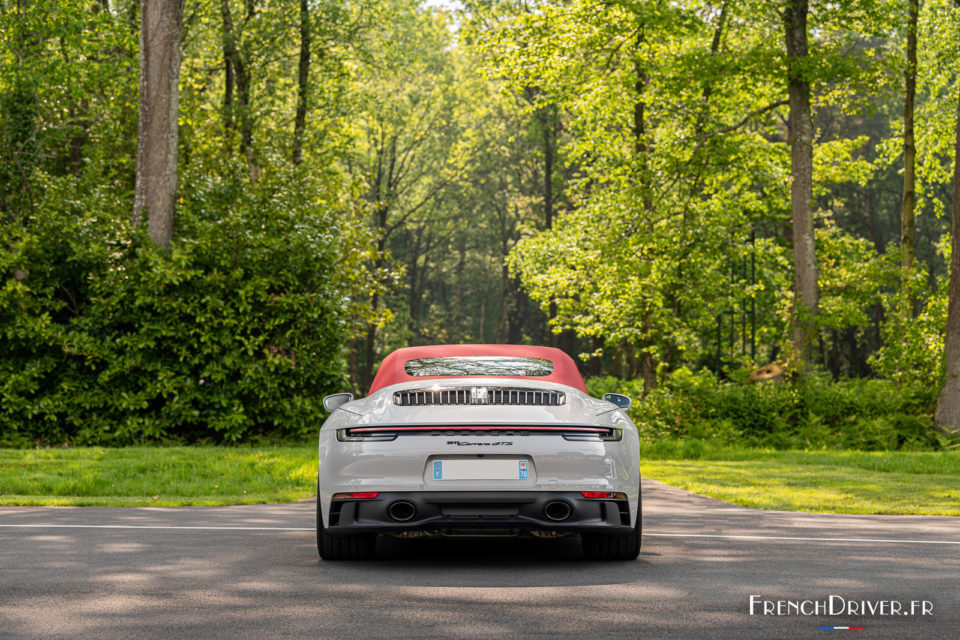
(157, 476)
(825, 481)
(921, 482)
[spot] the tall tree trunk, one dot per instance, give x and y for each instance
(549, 148)
(303, 80)
(238, 63)
(457, 319)
(156, 180)
(355, 368)
(419, 247)
(370, 346)
(506, 292)
(907, 222)
(548, 120)
(641, 149)
(948, 404)
(876, 233)
(228, 83)
(805, 295)
(370, 349)
(380, 196)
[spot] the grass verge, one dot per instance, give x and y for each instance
(900, 482)
(822, 481)
(157, 476)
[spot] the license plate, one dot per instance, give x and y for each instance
(481, 469)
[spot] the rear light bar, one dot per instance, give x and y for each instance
(387, 432)
(487, 427)
(356, 495)
(604, 495)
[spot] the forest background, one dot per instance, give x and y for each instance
(675, 193)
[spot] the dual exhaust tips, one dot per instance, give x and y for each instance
(554, 510)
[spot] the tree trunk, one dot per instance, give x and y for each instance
(549, 143)
(641, 148)
(506, 294)
(907, 221)
(415, 276)
(549, 149)
(370, 350)
(805, 295)
(238, 64)
(303, 79)
(228, 83)
(156, 180)
(876, 233)
(355, 368)
(457, 318)
(948, 404)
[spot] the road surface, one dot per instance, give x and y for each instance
(253, 572)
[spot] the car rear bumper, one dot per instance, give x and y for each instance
(464, 512)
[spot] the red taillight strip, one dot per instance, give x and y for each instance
(356, 495)
(489, 427)
(603, 495)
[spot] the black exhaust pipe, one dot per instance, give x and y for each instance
(557, 510)
(401, 510)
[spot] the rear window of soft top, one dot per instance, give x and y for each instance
(478, 366)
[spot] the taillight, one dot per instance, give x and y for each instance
(356, 495)
(603, 495)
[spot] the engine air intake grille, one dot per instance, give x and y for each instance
(480, 395)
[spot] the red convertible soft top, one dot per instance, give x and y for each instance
(392, 369)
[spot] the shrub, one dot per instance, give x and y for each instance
(237, 331)
(814, 414)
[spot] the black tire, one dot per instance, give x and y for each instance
(358, 546)
(605, 546)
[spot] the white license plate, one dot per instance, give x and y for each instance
(481, 469)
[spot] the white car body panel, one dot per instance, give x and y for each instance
(403, 464)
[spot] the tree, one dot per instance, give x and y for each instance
(805, 292)
(405, 136)
(156, 181)
(303, 83)
(948, 404)
(238, 70)
(907, 213)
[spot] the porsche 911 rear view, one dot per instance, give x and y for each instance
(483, 440)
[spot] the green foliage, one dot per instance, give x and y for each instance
(237, 331)
(692, 408)
(852, 276)
(912, 352)
(616, 170)
(18, 114)
(937, 68)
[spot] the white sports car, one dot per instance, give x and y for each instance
(478, 440)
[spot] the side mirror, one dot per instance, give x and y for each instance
(333, 402)
(622, 401)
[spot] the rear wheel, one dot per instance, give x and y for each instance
(358, 546)
(605, 546)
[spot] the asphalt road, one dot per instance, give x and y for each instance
(253, 572)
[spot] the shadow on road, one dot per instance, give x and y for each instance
(478, 562)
